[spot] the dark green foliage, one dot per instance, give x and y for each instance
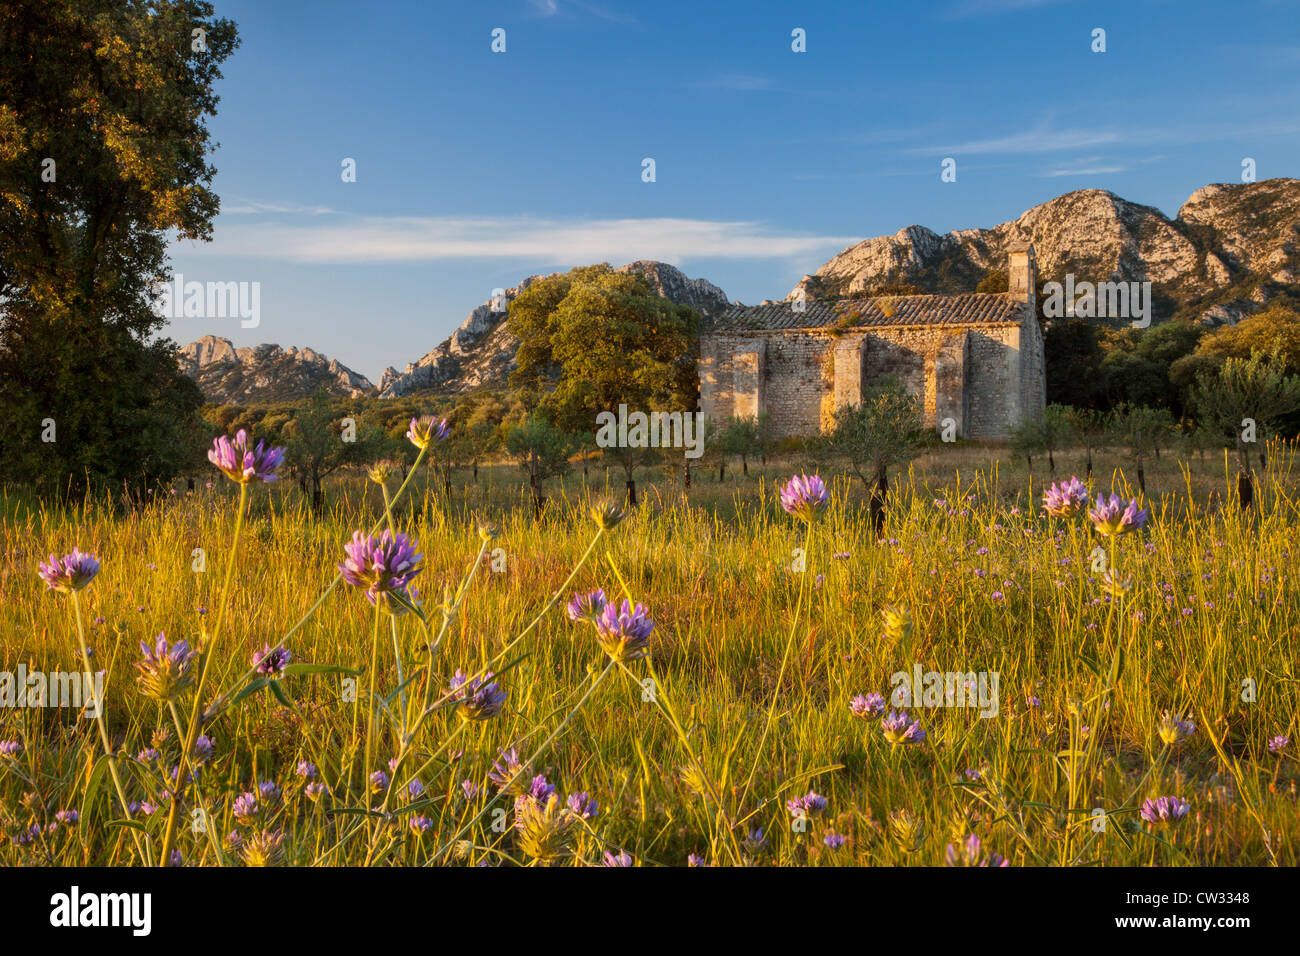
(117, 98)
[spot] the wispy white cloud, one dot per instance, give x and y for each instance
(376, 240)
(579, 8)
(966, 9)
(245, 207)
(1041, 140)
(1083, 171)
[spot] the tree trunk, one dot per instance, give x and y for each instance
(189, 484)
(879, 494)
(476, 471)
(1245, 490)
(1089, 464)
(722, 472)
(317, 497)
(744, 464)
(1142, 480)
(686, 475)
(1245, 482)
(1051, 463)
(631, 492)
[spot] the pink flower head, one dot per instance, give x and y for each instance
(804, 496)
(72, 572)
(382, 565)
(242, 465)
(1065, 499)
(425, 430)
(1115, 517)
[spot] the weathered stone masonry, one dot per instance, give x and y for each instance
(976, 358)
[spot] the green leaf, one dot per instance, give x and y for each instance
(97, 774)
(132, 824)
(278, 690)
(252, 687)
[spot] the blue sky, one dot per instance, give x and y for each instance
(475, 169)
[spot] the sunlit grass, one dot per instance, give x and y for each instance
(670, 747)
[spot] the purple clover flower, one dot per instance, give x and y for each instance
(622, 858)
(1164, 810)
(1114, 517)
(242, 465)
(271, 663)
(901, 729)
(246, 808)
(623, 632)
(972, 854)
(834, 840)
(383, 565)
(10, 748)
(72, 572)
(582, 804)
(804, 496)
(867, 705)
(1066, 499)
(505, 768)
(425, 430)
(811, 804)
(586, 607)
(541, 789)
(481, 698)
(1275, 746)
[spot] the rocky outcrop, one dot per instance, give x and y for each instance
(481, 352)
(1228, 251)
(266, 373)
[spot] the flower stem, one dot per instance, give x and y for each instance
(103, 729)
(196, 712)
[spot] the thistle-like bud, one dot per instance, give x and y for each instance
(906, 830)
(545, 827)
(380, 472)
(1173, 729)
(165, 673)
(607, 515)
(263, 849)
(898, 622)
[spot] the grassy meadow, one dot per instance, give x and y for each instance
(742, 705)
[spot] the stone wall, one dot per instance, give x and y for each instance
(987, 378)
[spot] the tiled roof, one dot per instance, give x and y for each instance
(969, 308)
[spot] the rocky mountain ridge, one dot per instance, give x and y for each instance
(228, 375)
(1230, 249)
